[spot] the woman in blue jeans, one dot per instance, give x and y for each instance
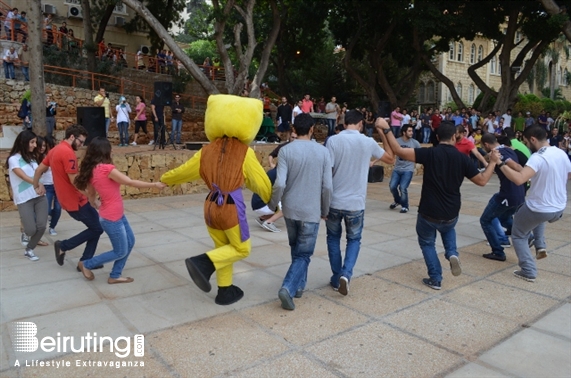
(98, 175)
(54, 208)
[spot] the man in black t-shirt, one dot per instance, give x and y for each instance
(444, 170)
(284, 117)
(158, 112)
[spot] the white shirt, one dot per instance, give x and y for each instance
(405, 119)
(296, 111)
(507, 120)
(13, 56)
(490, 124)
(21, 190)
(548, 190)
(123, 113)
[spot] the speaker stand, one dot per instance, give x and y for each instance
(170, 141)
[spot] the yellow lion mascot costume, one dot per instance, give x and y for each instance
(226, 164)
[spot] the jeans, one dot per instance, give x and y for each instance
(123, 132)
(497, 214)
(396, 131)
(369, 131)
(176, 129)
(353, 228)
(500, 233)
(122, 239)
(107, 123)
(9, 35)
(26, 73)
(330, 126)
(54, 208)
(525, 221)
(87, 215)
(50, 125)
(400, 179)
(302, 237)
(426, 231)
(9, 70)
(426, 134)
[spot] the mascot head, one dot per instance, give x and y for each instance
(233, 116)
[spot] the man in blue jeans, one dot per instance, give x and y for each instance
(351, 153)
(502, 205)
(444, 170)
(403, 171)
(177, 112)
(303, 185)
(64, 166)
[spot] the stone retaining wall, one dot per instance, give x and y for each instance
(150, 166)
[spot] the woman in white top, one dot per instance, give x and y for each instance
(123, 110)
(33, 208)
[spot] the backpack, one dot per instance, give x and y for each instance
(23, 111)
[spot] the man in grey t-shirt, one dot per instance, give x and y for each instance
(331, 109)
(351, 154)
(403, 171)
(303, 185)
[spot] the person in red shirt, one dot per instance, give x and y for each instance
(63, 163)
(306, 104)
(436, 121)
(98, 175)
(466, 146)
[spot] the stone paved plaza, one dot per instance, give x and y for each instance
(484, 323)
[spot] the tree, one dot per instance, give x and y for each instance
(36, 66)
(88, 44)
(553, 9)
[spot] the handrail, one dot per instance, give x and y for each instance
(101, 80)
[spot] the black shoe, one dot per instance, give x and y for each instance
(285, 298)
(60, 255)
(493, 256)
(200, 269)
(431, 284)
(523, 276)
(394, 205)
(228, 295)
(97, 267)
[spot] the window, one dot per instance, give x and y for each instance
(480, 53)
(421, 93)
(493, 65)
(517, 36)
(478, 91)
(460, 52)
(565, 75)
(471, 94)
(430, 91)
(451, 53)
(449, 97)
(472, 54)
(459, 89)
(559, 78)
(120, 8)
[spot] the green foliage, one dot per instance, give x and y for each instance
(451, 105)
(201, 49)
(561, 107)
(548, 105)
(199, 24)
(477, 103)
(557, 94)
(180, 81)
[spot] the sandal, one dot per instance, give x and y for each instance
(112, 281)
(42, 243)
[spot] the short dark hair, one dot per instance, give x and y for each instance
(353, 117)
(535, 131)
(76, 131)
(302, 124)
(509, 133)
(339, 127)
(446, 131)
(405, 128)
(489, 138)
(460, 128)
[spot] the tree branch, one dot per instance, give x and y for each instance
(474, 75)
(552, 8)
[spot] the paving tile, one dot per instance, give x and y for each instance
(556, 263)
(508, 302)
(469, 332)
(318, 274)
(558, 322)
(314, 319)
(146, 226)
(375, 297)
(290, 365)
(521, 356)
(48, 297)
(564, 250)
(473, 370)
(475, 265)
(173, 252)
(269, 255)
(408, 356)
(550, 284)
(405, 248)
(34, 273)
(372, 258)
(215, 346)
(160, 238)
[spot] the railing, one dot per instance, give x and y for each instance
(95, 81)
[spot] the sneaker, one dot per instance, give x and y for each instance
(298, 293)
(335, 288)
(31, 255)
(285, 298)
(505, 245)
(343, 285)
(134, 144)
(24, 239)
(455, 265)
(151, 142)
(53, 232)
(431, 284)
(404, 210)
(540, 253)
(260, 222)
(394, 205)
(270, 227)
(493, 256)
(523, 276)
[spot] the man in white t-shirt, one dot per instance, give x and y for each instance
(296, 111)
(507, 119)
(549, 169)
(9, 58)
(405, 118)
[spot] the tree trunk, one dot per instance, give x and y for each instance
(192, 68)
(88, 46)
(103, 23)
(36, 67)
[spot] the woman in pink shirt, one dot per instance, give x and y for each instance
(98, 175)
(140, 118)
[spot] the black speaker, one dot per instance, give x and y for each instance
(93, 119)
(376, 173)
(384, 109)
(163, 92)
